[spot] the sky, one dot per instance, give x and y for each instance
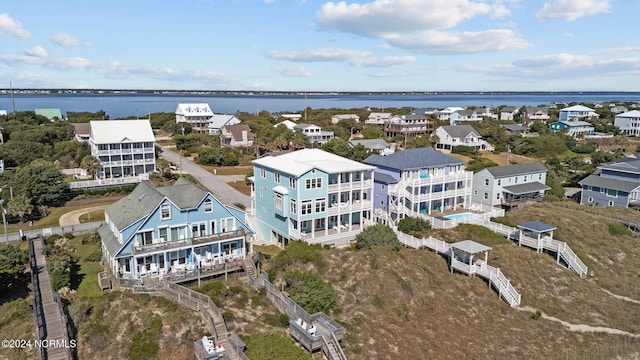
(308, 45)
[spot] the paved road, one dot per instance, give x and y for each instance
(215, 184)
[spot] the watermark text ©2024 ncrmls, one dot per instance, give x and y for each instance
(49, 344)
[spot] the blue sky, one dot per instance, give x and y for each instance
(306, 45)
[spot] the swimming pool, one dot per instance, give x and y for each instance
(459, 216)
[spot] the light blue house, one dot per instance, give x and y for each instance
(181, 231)
(419, 181)
(311, 195)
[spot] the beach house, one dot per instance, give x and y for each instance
(123, 147)
(510, 185)
(180, 231)
(419, 181)
(196, 115)
(311, 195)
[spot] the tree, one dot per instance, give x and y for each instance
(417, 227)
(20, 206)
(91, 164)
(12, 266)
(41, 182)
(372, 132)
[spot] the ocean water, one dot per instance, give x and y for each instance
(124, 105)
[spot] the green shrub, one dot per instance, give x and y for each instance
(617, 229)
(464, 150)
(310, 291)
(277, 320)
(378, 236)
(95, 256)
(417, 227)
(144, 344)
(536, 315)
(268, 346)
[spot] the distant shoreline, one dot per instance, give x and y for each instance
(288, 93)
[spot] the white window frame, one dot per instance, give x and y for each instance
(292, 183)
(278, 202)
(208, 206)
(293, 208)
(321, 205)
(306, 207)
(263, 173)
(165, 212)
(276, 178)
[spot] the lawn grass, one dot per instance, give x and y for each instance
(88, 271)
(97, 215)
(51, 220)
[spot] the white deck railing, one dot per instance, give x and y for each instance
(495, 277)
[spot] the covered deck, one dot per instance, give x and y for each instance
(464, 259)
(535, 234)
(516, 195)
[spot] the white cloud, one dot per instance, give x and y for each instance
(571, 10)
(293, 71)
(37, 51)
(54, 63)
(12, 27)
(558, 66)
(318, 55)
(623, 50)
(422, 26)
(352, 57)
(438, 42)
(64, 39)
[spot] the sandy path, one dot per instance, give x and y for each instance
(73, 217)
(580, 327)
(625, 298)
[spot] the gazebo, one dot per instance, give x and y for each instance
(464, 252)
(534, 230)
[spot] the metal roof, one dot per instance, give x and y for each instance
(420, 158)
(526, 188)
(459, 131)
(537, 226)
(117, 131)
(470, 247)
(301, 161)
(384, 178)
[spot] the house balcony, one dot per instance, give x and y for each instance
(438, 179)
(346, 207)
(350, 185)
(437, 195)
(158, 245)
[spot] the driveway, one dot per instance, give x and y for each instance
(216, 184)
(73, 217)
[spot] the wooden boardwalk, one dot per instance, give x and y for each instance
(53, 327)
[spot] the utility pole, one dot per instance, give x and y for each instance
(4, 221)
(13, 101)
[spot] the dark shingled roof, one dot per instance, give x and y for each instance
(145, 198)
(516, 169)
(613, 184)
(420, 158)
(459, 131)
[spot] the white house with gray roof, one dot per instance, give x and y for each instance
(338, 117)
(123, 147)
(314, 133)
(378, 146)
(510, 185)
(180, 232)
(466, 115)
(465, 135)
(613, 184)
(628, 123)
(219, 121)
